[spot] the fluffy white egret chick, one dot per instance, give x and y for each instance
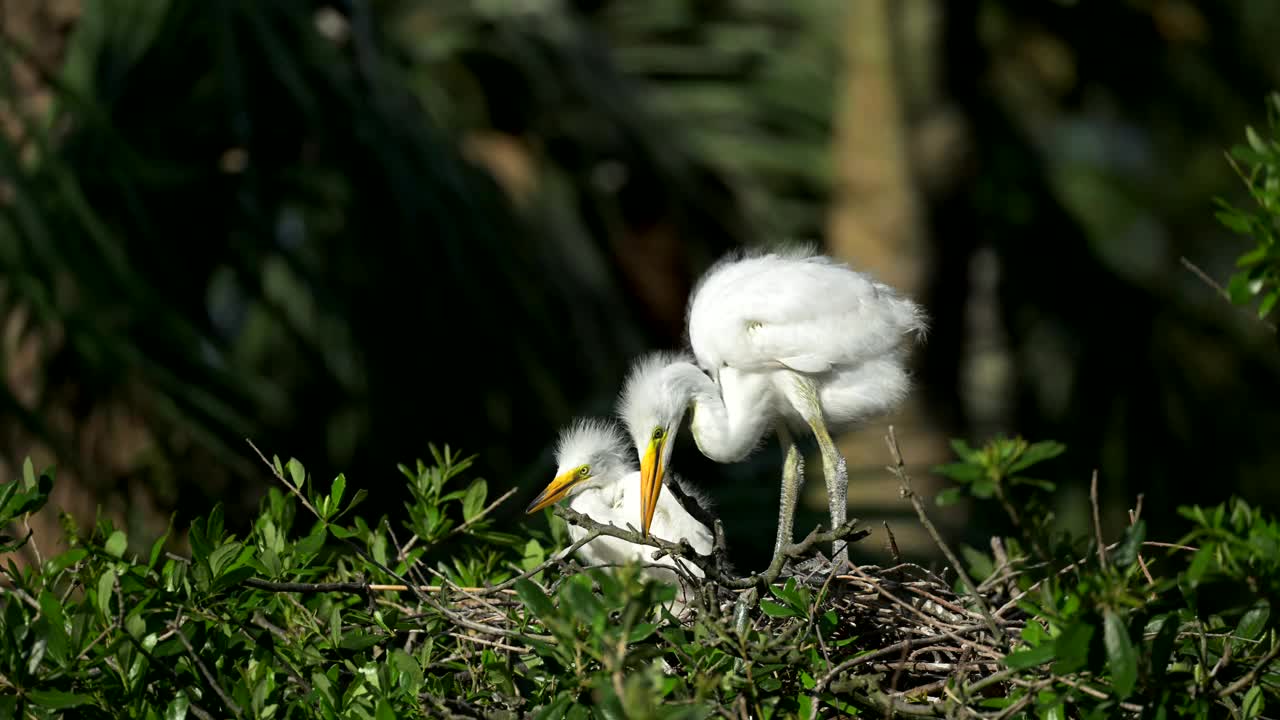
(782, 340)
(596, 470)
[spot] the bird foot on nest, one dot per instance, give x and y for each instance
(817, 568)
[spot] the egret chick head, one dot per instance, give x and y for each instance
(589, 453)
(654, 399)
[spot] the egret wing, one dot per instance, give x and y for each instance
(806, 314)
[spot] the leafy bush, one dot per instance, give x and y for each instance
(1258, 164)
(323, 614)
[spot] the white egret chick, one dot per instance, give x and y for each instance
(791, 340)
(597, 471)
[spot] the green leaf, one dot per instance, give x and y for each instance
(55, 627)
(963, 451)
(116, 544)
(980, 564)
(576, 592)
(642, 631)
(358, 640)
(135, 626)
(177, 708)
(1200, 563)
(57, 564)
(1073, 647)
(1022, 659)
(1268, 303)
(297, 473)
(339, 488)
(1240, 289)
(961, 472)
(1162, 647)
(1126, 553)
(1255, 140)
(157, 547)
(984, 487)
(223, 558)
(1122, 660)
(1037, 453)
(473, 501)
(1044, 485)
(1237, 222)
(949, 496)
(356, 499)
(105, 585)
(57, 699)
(1253, 703)
(410, 671)
(1034, 634)
(37, 654)
(1254, 620)
(535, 599)
(787, 593)
(773, 609)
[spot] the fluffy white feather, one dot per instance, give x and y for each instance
(611, 495)
(779, 335)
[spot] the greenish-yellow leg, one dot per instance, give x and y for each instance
(833, 468)
(792, 479)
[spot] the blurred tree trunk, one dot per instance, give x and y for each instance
(875, 219)
(877, 224)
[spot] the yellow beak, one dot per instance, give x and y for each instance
(555, 491)
(650, 483)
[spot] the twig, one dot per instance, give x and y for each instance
(480, 627)
(204, 670)
(1135, 514)
(1204, 277)
(490, 643)
(1034, 586)
(1097, 522)
(707, 563)
(356, 588)
(404, 551)
(1094, 693)
(893, 543)
(1251, 677)
(296, 491)
(899, 469)
(910, 643)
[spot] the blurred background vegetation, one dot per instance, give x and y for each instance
(348, 229)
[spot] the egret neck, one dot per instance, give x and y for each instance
(725, 431)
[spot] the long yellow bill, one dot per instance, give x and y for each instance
(555, 491)
(650, 483)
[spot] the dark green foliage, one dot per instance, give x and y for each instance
(1160, 629)
(1258, 164)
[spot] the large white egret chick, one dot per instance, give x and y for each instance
(791, 340)
(596, 470)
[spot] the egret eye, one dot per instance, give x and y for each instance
(658, 433)
(584, 471)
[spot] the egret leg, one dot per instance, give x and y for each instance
(833, 467)
(792, 479)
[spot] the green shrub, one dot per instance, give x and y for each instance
(322, 614)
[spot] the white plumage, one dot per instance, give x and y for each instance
(788, 336)
(596, 472)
